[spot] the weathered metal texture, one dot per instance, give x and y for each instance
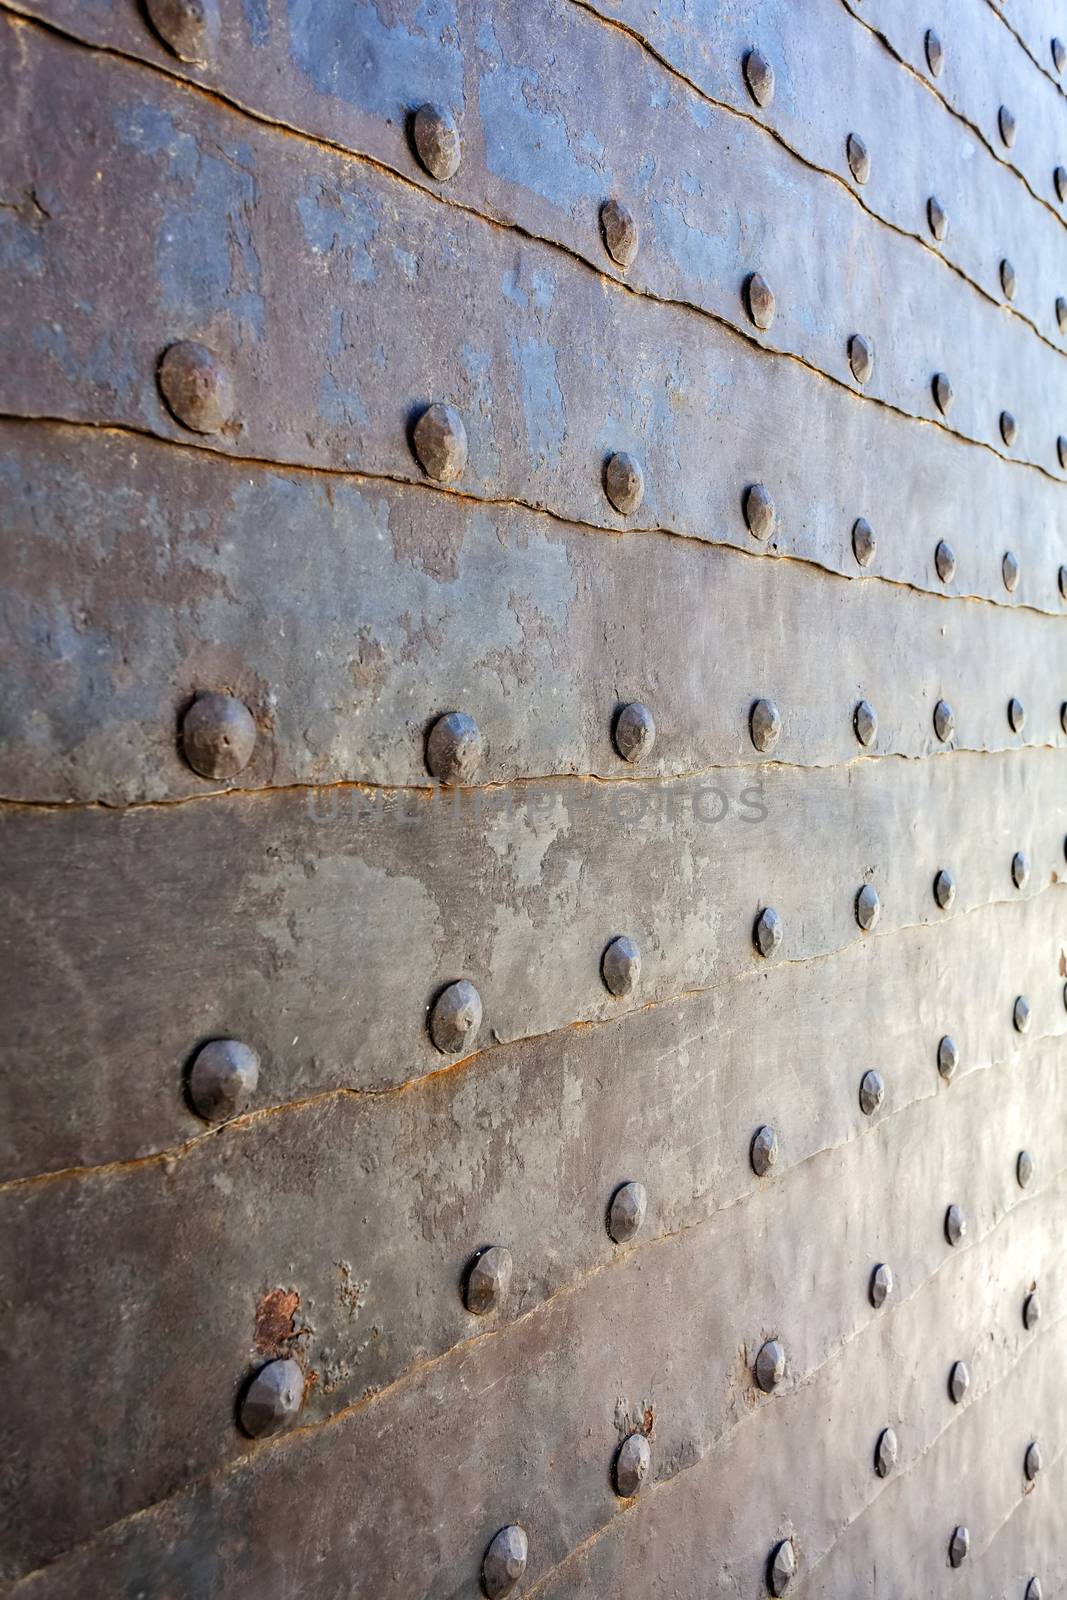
(119, 611)
(277, 895)
(976, 73)
(635, 1166)
(274, 255)
(704, 1300)
(1040, 31)
(829, 270)
(835, 80)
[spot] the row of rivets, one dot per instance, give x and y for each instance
(224, 1074)
(218, 734)
(198, 393)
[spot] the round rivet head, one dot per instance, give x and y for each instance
(1020, 869)
(1033, 1590)
(935, 216)
(218, 736)
(632, 1465)
(955, 1225)
(945, 561)
(1007, 279)
(1061, 319)
(1024, 1168)
(1032, 1461)
(1009, 570)
(440, 441)
(935, 54)
(621, 966)
(858, 159)
(860, 357)
(505, 1561)
(759, 77)
(436, 141)
(944, 721)
(770, 1365)
(864, 543)
(1009, 428)
(1062, 580)
(948, 1057)
(881, 1285)
(627, 1212)
(764, 725)
(183, 26)
(872, 1091)
(621, 234)
(767, 932)
(488, 1280)
(1020, 1015)
(454, 748)
(1016, 715)
(1059, 54)
(885, 1453)
(942, 391)
(944, 889)
(868, 907)
(1059, 179)
(1031, 1312)
(272, 1400)
(958, 1546)
(456, 1017)
(781, 1567)
(1006, 125)
(865, 722)
(196, 387)
(764, 1151)
(635, 732)
(959, 1380)
(624, 482)
(759, 300)
(758, 508)
(223, 1079)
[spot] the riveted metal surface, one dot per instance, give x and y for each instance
(551, 188)
(532, 905)
(451, 878)
(346, 686)
(287, 344)
(704, 1434)
(985, 72)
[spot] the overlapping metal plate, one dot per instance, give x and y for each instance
(244, 174)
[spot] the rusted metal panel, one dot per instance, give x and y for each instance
(959, 50)
(120, 611)
(704, 1300)
(563, 369)
(273, 896)
(708, 207)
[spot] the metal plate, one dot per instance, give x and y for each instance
(656, 1334)
(834, 78)
(277, 203)
(320, 927)
(563, 370)
(979, 74)
(708, 207)
(119, 612)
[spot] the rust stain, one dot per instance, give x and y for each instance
(275, 1316)
(647, 1421)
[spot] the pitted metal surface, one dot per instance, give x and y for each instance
(531, 781)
